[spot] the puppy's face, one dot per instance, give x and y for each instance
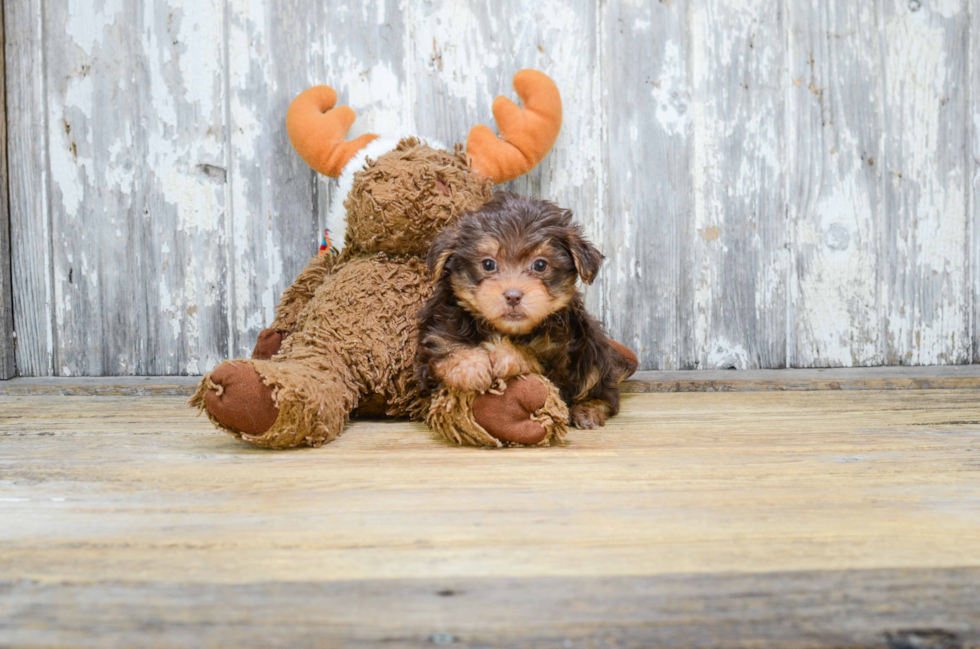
(514, 262)
(514, 284)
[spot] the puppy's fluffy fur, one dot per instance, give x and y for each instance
(506, 304)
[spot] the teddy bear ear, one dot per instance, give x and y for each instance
(526, 135)
(318, 131)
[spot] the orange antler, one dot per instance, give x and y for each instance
(318, 131)
(526, 135)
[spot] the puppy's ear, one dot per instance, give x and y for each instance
(586, 256)
(440, 251)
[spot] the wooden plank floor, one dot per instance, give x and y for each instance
(821, 518)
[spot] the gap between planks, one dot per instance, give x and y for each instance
(935, 377)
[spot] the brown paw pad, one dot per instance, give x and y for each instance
(507, 416)
(242, 401)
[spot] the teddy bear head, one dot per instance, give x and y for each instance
(396, 193)
(399, 202)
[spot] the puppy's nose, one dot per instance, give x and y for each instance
(513, 296)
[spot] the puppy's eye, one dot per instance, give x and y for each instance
(540, 266)
(489, 265)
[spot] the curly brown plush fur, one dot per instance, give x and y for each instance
(506, 305)
(405, 198)
(350, 322)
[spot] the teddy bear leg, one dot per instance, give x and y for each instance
(528, 412)
(282, 403)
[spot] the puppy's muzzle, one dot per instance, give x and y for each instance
(513, 297)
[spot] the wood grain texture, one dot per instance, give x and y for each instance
(101, 386)
(647, 231)
(834, 156)
(7, 363)
(740, 251)
(689, 514)
(925, 250)
(30, 224)
(927, 609)
(938, 377)
(944, 377)
(975, 186)
(774, 182)
(117, 220)
(820, 480)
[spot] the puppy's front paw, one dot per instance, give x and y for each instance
(588, 415)
(469, 370)
(508, 361)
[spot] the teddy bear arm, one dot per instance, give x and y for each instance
(298, 294)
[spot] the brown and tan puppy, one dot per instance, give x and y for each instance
(506, 304)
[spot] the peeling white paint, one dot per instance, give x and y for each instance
(88, 20)
(66, 169)
(128, 132)
(200, 37)
(724, 355)
(451, 38)
(928, 196)
(671, 91)
(740, 279)
(840, 282)
(946, 8)
(834, 164)
(247, 190)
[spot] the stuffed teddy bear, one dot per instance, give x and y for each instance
(343, 340)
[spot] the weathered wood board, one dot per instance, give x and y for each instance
(7, 367)
(774, 182)
(936, 377)
(874, 609)
(738, 52)
(30, 246)
(924, 262)
(974, 188)
(833, 146)
(816, 519)
(646, 229)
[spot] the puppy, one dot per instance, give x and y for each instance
(506, 304)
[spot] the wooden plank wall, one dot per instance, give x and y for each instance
(774, 182)
(7, 367)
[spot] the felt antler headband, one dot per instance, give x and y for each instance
(318, 130)
(527, 134)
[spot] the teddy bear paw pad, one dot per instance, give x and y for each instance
(242, 401)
